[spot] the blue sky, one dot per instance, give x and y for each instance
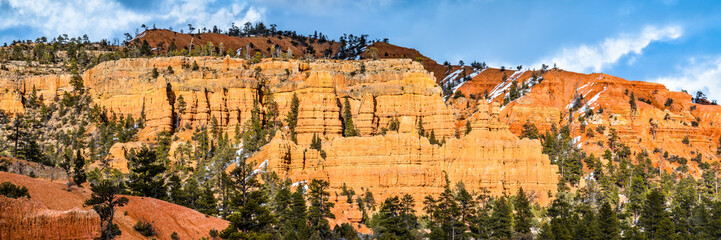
(668, 41)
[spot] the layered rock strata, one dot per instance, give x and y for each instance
(489, 158)
(24, 218)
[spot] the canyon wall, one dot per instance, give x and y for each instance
(490, 157)
(225, 89)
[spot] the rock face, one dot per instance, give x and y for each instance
(225, 90)
(24, 218)
(27, 168)
(489, 157)
(655, 126)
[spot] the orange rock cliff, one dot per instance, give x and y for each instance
(490, 156)
(602, 100)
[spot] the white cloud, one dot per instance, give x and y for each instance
(597, 57)
(697, 75)
(109, 18)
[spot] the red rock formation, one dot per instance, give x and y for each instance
(548, 103)
(59, 210)
(24, 218)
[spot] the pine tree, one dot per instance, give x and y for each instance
(394, 124)
(468, 127)
(524, 216)
(292, 118)
(654, 219)
(79, 176)
(390, 220)
(530, 131)
(502, 219)
(299, 217)
(587, 228)
(467, 211)
(10, 190)
(146, 178)
(432, 138)
(176, 194)
(349, 127)
(632, 103)
(207, 203)
(251, 216)
(282, 207)
(608, 223)
(419, 126)
(444, 214)
(316, 142)
(254, 135)
(714, 225)
(319, 209)
(104, 200)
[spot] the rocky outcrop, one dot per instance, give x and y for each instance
(603, 101)
(25, 218)
(27, 168)
(489, 157)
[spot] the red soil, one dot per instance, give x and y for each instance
(165, 217)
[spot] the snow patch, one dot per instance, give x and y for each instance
(260, 169)
(295, 184)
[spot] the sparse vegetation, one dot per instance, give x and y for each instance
(10, 190)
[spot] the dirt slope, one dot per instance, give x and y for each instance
(165, 217)
(162, 39)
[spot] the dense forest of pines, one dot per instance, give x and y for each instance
(624, 198)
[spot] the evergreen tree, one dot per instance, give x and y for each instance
(283, 208)
(345, 231)
(524, 216)
(501, 219)
(292, 118)
(299, 217)
(348, 126)
(251, 216)
(467, 211)
(530, 131)
(587, 228)
(563, 218)
(146, 178)
(316, 142)
(255, 133)
(432, 138)
(79, 168)
(176, 194)
(468, 127)
(444, 214)
(391, 224)
(319, 209)
(104, 200)
(714, 225)
(608, 223)
(654, 219)
(10, 190)
(206, 202)
(394, 124)
(419, 126)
